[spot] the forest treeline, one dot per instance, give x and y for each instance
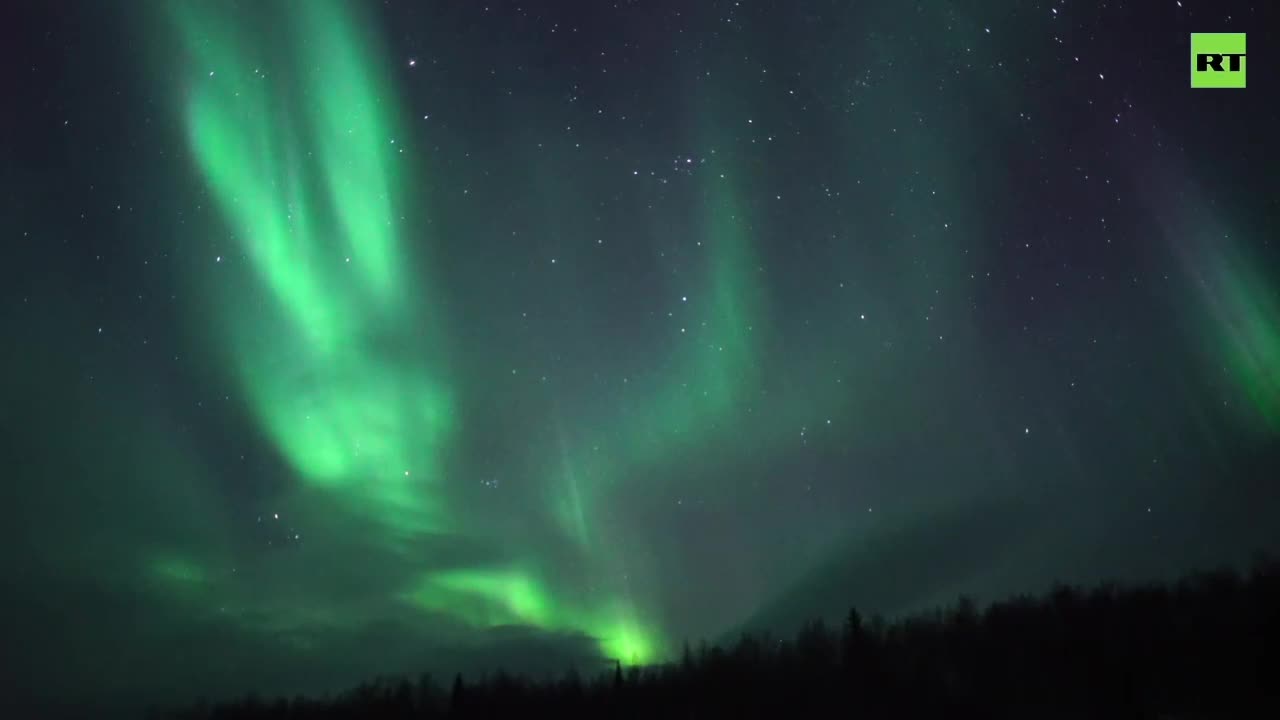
(1207, 646)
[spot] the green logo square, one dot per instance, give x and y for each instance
(1217, 60)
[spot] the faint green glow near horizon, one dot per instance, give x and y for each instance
(176, 570)
(484, 597)
(494, 597)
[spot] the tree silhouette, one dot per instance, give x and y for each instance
(1201, 647)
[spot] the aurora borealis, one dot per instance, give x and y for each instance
(351, 338)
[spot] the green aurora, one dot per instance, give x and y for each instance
(296, 138)
(356, 337)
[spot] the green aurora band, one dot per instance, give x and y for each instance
(360, 408)
(346, 415)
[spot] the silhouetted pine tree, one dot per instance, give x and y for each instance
(458, 697)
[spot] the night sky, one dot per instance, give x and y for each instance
(352, 338)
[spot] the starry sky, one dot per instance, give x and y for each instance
(348, 338)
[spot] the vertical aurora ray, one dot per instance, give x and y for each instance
(715, 366)
(1241, 307)
(1244, 318)
(1248, 310)
(1236, 326)
(715, 360)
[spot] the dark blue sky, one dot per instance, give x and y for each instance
(349, 338)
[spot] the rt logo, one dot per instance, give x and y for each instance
(1217, 60)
